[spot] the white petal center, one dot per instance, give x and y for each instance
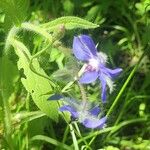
(102, 57)
(94, 64)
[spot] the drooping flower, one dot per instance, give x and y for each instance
(85, 50)
(83, 111)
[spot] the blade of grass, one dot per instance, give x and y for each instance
(7, 116)
(51, 141)
(124, 86)
(115, 128)
(65, 134)
(75, 142)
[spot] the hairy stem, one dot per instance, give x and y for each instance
(75, 78)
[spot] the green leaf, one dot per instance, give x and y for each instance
(70, 22)
(36, 85)
(15, 11)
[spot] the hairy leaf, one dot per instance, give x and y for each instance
(36, 85)
(69, 22)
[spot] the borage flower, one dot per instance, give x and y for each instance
(84, 112)
(85, 50)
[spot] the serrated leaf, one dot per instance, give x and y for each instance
(36, 85)
(15, 11)
(70, 22)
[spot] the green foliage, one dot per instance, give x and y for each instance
(42, 64)
(15, 12)
(143, 7)
(8, 77)
(68, 7)
(51, 141)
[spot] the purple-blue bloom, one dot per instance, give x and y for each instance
(85, 50)
(85, 112)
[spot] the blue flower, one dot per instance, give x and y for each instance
(85, 50)
(83, 111)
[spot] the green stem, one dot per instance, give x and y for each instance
(7, 118)
(115, 128)
(71, 82)
(32, 68)
(123, 110)
(79, 134)
(127, 104)
(129, 122)
(124, 86)
(92, 140)
(75, 143)
(65, 134)
(121, 91)
(83, 93)
(26, 124)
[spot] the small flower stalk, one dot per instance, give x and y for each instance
(85, 50)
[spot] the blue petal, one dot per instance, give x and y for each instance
(97, 123)
(84, 48)
(95, 111)
(88, 77)
(103, 85)
(104, 71)
(72, 110)
(55, 97)
(87, 40)
(114, 72)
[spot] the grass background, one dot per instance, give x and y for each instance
(123, 34)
